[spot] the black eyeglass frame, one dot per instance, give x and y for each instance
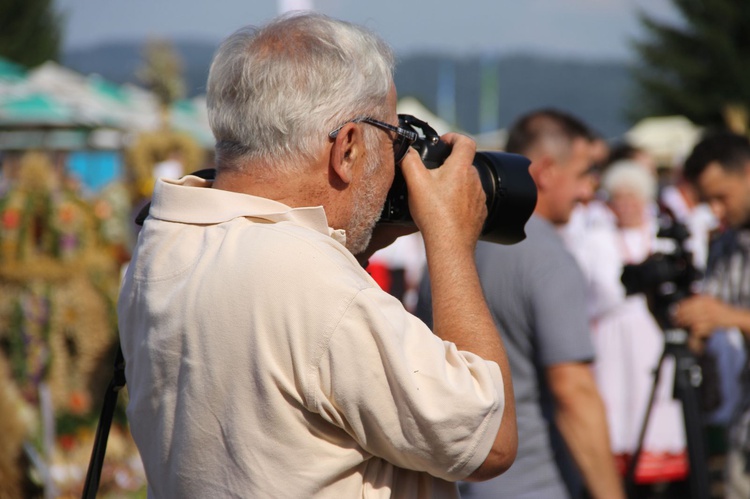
(404, 138)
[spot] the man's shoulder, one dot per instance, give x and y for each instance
(298, 248)
(532, 271)
(543, 234)
(542, 246)
(726, 246)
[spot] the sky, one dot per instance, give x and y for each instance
(588, 29)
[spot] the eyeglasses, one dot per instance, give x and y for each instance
(401, 143)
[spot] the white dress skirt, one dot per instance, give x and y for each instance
(628, 344)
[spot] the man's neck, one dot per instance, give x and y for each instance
(294, 190)
(541, 213)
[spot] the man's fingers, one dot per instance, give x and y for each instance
(412, 166)
(464, 148)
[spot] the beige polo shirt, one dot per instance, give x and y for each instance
(263, 361)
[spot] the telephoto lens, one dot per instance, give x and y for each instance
(508, 186)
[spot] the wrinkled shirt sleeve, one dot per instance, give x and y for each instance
(405, 395)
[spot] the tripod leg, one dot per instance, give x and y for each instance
(687, 378)
(630, 484)
(94, 473)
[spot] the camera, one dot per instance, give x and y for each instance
(511, 192)
(667, 276)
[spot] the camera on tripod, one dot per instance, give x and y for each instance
(667, 276)
(508, 186)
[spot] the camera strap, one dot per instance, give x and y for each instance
(91, 486)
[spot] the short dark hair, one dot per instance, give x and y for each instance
(622, 150)
(526, 132)
(730, 150)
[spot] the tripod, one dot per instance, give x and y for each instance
(687, 379)
(94, 473)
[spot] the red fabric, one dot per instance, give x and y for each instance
(381, 274)
(654, 467)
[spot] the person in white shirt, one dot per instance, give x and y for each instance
(261, 359)
(627, 339)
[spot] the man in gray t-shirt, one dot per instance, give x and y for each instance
(535, 291)
(537, 300)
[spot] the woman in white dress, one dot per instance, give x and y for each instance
(627, 339)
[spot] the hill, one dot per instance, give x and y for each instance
(118, 62)
(596, 91)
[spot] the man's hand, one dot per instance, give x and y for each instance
(447, 203)
(448, 206)
(702, 314)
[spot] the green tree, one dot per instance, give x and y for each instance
(699, 68)
(30, 31)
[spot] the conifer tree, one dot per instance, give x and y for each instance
(700, 68)
(30, 31)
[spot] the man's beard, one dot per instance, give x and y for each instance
(368, 205)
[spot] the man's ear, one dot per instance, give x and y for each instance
(541, 170)
(347, 150)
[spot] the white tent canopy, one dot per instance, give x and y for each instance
(669, 139)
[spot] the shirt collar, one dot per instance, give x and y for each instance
(191, 200)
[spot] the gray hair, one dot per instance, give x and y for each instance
(275, 92)
(631, 175)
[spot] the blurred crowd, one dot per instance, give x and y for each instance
(631, 210)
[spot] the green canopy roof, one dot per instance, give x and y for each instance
(54, 97)
(35, 109)
(11, 71)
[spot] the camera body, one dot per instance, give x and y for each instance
(509, 189)
(666, 277)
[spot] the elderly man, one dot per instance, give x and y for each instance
(262, 360)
